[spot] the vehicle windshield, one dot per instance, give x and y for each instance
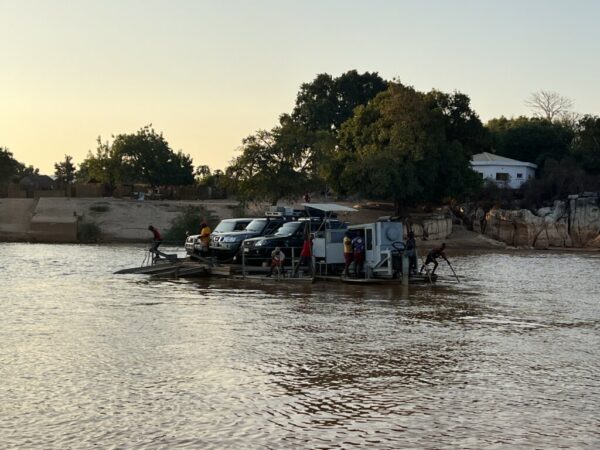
(256, 225)
(225, 227)
(289, 228)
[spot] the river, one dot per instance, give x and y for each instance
(508, 358)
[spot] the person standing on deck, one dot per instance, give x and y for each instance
(157, 239)
(358, 245)
(432, 257)
(411, 252)
(348, 252)
(305, 255)
(204, 237)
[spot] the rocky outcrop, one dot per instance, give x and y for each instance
(431, 227)
(571, 223)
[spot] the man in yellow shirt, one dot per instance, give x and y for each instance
(204, 237)
(348, 252)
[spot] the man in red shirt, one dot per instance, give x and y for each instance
(305, 255)
(157, 238)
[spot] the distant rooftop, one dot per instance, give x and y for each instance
(486, 159)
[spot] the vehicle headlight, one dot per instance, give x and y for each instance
(261, 243)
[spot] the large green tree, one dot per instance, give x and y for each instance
(327, 102)
(101, 167)
(272, 166)
(530, 139)
(144, 157)
(9, 166)
(65, 171)
(397, 148)
(322, 106)
(586, 144)
(461, 122)
(12, 170)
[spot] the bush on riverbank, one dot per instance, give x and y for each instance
(189, 222)
(88, 232)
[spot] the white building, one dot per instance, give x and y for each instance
(503, 171)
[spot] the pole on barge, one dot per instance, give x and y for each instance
(405, 269)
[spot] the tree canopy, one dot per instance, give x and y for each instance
(144, 157)
(326, 102)
(549, 105)
(12, 170)
(65, 171)
(530, 139)
(586, 144)
(399, 146)
(272, 166)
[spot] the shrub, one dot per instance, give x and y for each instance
(189, 221)
(88, 232)
(99, 208)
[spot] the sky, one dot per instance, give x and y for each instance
(209, 73)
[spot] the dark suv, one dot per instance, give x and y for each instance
(225, 246)
(289, 238)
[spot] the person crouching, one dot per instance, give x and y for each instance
(277, 258)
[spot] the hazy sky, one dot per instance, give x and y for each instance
(208, 73)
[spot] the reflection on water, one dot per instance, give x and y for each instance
(509, 358)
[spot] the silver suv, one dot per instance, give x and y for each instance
(192, 243)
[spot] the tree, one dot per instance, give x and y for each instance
(101, 167)
(142, 157)
(202, 172)
(558, 180)
(146, 157)
(549, 105)
(586, 144)
(270, 167)
(322, 106)
(530, 139)
(9, 166)
(461, 122)
(396, 148)
(65, 171)
(327, 102)
(12, 170)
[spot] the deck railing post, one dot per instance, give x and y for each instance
(405, 268)
(243, 262)
(293, 261)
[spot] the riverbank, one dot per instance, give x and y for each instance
(56, 220)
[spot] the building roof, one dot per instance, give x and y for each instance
(329, 207)
(489, 159)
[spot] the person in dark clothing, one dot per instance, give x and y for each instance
(358, 245)
(157, 239)
(411, 252)
(433, 255)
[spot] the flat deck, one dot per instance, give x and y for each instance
(186, 268)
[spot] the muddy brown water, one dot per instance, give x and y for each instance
(509, 358)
